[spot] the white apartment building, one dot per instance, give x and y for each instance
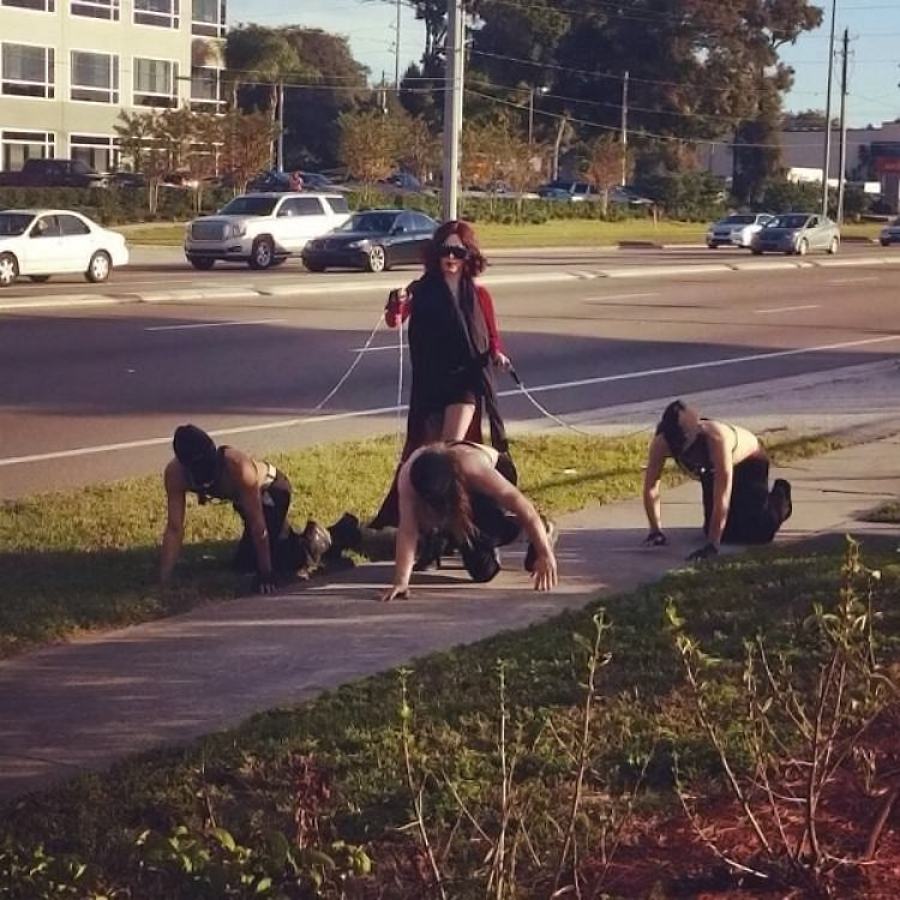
(68, 67)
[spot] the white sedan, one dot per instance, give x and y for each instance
(39, 243)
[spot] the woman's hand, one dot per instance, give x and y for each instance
(395, 592)
(544, 572)
(395, 309)
(501, 361)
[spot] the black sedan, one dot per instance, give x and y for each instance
(373, 241)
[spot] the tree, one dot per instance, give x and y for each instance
(369, 144)
(418, 149)
(246, 144)
(607, 162)
(139, 139)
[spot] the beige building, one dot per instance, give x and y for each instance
(68, 67)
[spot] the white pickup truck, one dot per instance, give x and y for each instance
(263, 229)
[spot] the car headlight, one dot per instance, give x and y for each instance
(358, 245)
(238, 229)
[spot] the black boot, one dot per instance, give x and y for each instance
(345, 534)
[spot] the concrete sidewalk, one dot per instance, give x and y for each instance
(80, 706)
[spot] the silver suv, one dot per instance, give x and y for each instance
(262, 229)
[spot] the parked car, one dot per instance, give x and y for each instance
(127, 181)
(262, 229)
(405, 181)
(736, 230)
(797, 233)
(281, 181)
(39, 243)
(53, 173)
(374, 240)
(572, 191)
(890, 234)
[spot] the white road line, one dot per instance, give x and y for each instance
(781, 309)
(213, 325)
(853, 280)
(387, 410)
(372, 349)
(601, 298)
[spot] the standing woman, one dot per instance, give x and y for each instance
(454, 345)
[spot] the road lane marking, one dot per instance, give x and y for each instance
(213, 325)
(854, 280)
(781, 309)
(513, 392)
(601, 298)
(372, 349)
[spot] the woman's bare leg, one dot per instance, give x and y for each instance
(457, 419)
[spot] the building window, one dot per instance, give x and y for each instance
(36, 5)
(207, 90)
(99, 152)
(155, 82)
(94, 77)
(161, 13)
(96, 9)
(19, 146)
(208, 18)
(27, 70)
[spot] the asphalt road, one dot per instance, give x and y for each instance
(165, 269)
(89, 394)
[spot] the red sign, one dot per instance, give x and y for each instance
(885, 164)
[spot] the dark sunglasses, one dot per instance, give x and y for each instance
(453, 250)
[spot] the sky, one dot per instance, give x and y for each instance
(873, 71)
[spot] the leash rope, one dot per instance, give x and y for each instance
(359, 355)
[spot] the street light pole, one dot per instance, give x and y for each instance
(826, 167)
(625, 129)
(530, 116)
(842, 148)
(453, 107)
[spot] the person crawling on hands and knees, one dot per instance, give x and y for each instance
(732, 467)
(461, 489)
(260, 494)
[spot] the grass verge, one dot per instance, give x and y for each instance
(340, 759)
(87, 558)
(555, 233)
(888, 513)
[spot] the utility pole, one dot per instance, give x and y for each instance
(280, 145)
(842, 153)
(625, 128)
(453, 107)
(826, 167)
(397, 49)
(530, 116)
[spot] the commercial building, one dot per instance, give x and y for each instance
(69, 67)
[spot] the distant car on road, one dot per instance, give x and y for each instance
(374, 240)
(404, 181)
(39, 243)
(736, 230)
(890, 234)
(797, 233)
(571, 191)
(281, 181)
(53, 173)
(262, 230)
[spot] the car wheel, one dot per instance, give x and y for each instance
(39, 279)
(756, 251)
(313, 267)
(201, 263)
(712, 246)
(885, 243)
(377, 259)
(803, 247)
(262, 254)
(9, 269)
(833, 246)
(99, 267)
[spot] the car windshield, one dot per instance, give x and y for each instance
(374, 223)
(14, 224)
(249, 206)
(788, 222)
(739, 220)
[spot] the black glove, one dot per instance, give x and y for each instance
(655, 539)
(265, 584)
(707, 551)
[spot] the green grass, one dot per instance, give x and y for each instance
(888, 513)
(246, 778)
(87, 558)
(555, 233)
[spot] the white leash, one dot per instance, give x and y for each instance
(359, 355)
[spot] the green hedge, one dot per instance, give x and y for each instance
(113, 206)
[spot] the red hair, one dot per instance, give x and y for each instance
(475, 263)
